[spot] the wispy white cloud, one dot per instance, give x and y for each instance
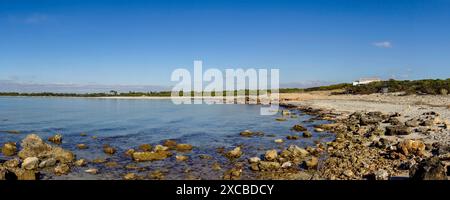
(382, 44)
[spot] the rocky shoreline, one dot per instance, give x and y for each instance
(367, 146)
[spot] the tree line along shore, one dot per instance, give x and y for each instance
(426, 86)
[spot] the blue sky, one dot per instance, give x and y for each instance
(142, 42)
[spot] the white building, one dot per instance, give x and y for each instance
(363, 81)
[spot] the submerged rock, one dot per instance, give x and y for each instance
(82, 146)
(150, 156)
(109, 150)
(205, 157)
(292, 137)
(157, 175)
(307, 134)
(246, 133)
(285, 112)
(181, 158)
(130, 176)
(299, 128)
(216, 166)
(184, 147)
(233, 173)
(99, 160)
(111, 164)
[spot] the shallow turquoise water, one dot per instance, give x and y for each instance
(126, 124)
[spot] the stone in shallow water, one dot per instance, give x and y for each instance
(130, 176)
(109, 150)
(271, 155)
(254, 160)
(81, 163)
(181, 158)
(150, 156)
(299, 128)
(91, 171)
(82, 146)
(278, 141)
(307, 134)
(33, 146)
(62, 169)
(57, 139)
(246, 133)
(235, 153)
(216, 166)
(268, 165)
(292, 137)
(9, 149)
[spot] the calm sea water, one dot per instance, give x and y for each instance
(126, 124)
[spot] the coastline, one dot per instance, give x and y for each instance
(373, 139)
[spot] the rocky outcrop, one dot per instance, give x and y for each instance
(33, 146)
(429, 169)
(9, 149)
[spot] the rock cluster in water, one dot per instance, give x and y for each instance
(367, 145)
